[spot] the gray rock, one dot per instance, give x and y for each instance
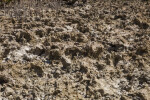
(65, 61)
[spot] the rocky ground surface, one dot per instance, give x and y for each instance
(99, 50)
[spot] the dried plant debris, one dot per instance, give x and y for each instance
(75, 50)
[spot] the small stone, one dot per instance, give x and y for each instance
(9, 91)
(65, 61)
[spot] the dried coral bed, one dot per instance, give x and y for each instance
(98, 50)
